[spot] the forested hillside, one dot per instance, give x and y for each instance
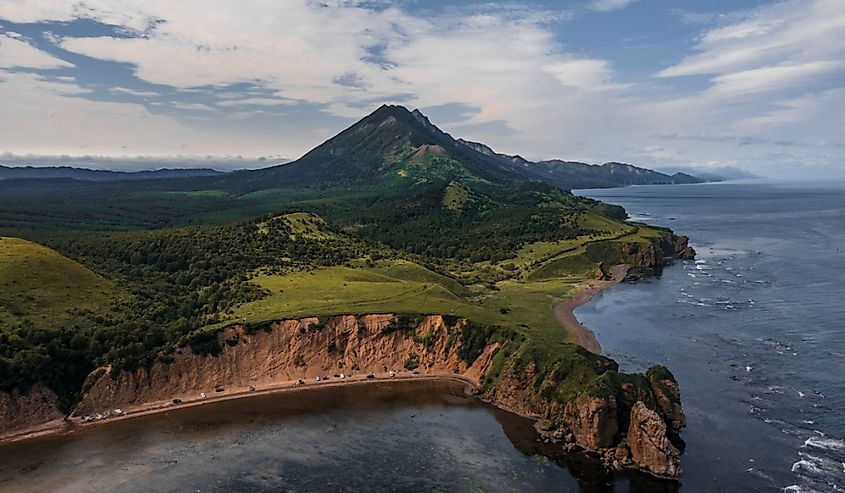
(392, 215)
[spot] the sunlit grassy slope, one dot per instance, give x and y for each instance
(38, 284)
(540, 275)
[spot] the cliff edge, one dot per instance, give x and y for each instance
(580, 398)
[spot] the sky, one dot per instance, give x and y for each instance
(756, 85)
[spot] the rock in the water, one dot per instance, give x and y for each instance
(650, 447)
(682, 248)
(687, 253)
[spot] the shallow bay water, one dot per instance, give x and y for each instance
(391, 436)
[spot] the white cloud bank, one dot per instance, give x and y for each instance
(776, 79)
(771, 71)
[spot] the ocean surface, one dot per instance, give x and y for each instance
(753, 330)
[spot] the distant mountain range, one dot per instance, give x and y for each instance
(84, 174)
(573, 174)
(721, 173)
(368, 149)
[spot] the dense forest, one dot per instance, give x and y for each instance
(172, 283)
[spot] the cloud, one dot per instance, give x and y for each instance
(495, 72)
(610, 5)
(46, 116)
(218, 44)
(747, 141)
(772, 78)
(16, 53)
(793, 31)
(133, 92)
(347, 58)
(254, 102)
(586, 74)
(191, 106)
(111, 12)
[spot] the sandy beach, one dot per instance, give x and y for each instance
(75, 424)
(564, 309)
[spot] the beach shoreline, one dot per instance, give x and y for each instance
(71, 425)
(564, 309)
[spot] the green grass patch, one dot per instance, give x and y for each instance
(40, 285)
(455, 196)
(400, 286)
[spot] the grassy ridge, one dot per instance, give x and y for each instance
(39, 284)
(403, 287)
(47, 305)
(522, 297)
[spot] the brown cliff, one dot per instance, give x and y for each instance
(30, 411)
(649, 259)
(286, 352)
(649, 444)
(585, 402)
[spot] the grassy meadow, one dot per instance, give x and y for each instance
(42, 286)
(519, 293)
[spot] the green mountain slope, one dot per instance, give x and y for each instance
(38, 284)
(369, 149)
(395, 178)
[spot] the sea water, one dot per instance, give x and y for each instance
(754, 329)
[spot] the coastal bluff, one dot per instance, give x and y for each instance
(578, 398)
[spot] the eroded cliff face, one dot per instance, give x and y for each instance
(628, 420)
(21, 412)
(649, 444)
(648, 260)
(285, 352)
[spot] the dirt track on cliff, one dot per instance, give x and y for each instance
(564, 309)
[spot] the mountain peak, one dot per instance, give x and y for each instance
(390, 109)
(396, 111)
(402, 114)
(392, 139)
(421, 118)
(369, 148)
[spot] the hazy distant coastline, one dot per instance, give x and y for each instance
(141, 163)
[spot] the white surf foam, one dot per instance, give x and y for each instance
(805, 466)
(825, 443)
